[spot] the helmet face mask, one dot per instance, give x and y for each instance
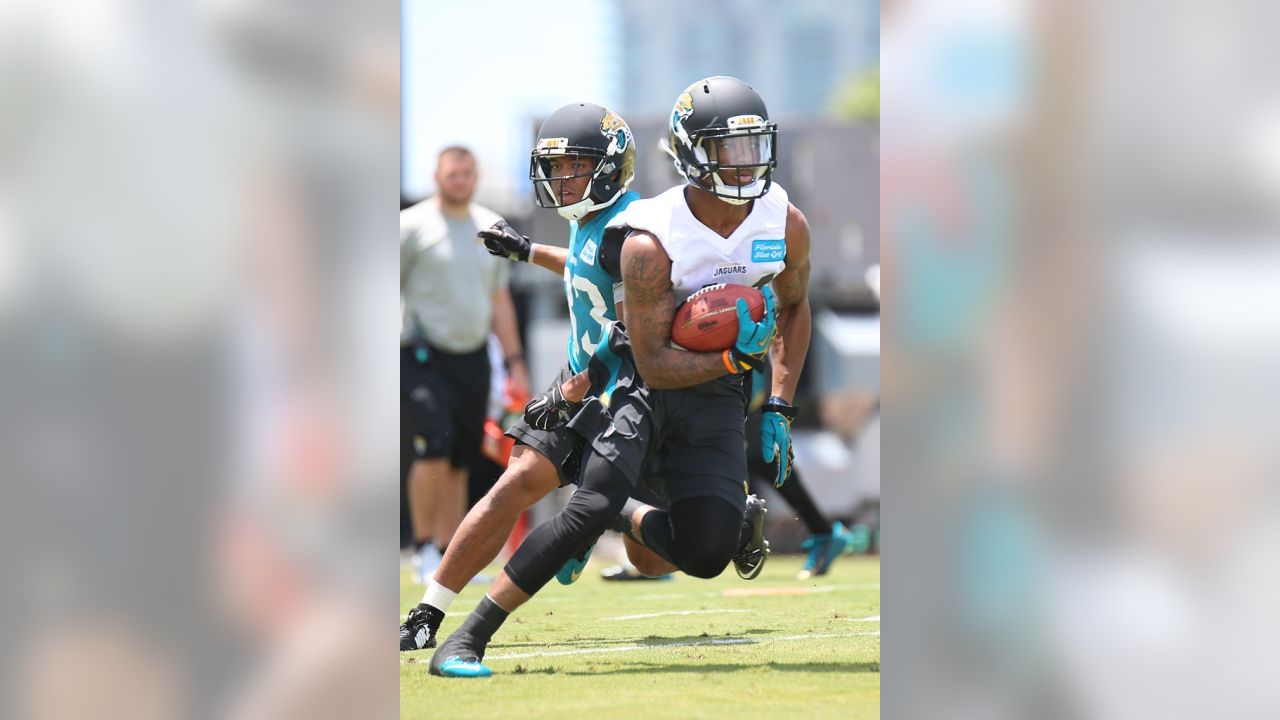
(549, 185)
(722, 141)
(738, 166)
(587, 132)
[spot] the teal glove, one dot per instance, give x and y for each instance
(754, 338)
(775, 437)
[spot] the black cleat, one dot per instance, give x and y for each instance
(459, 656)
(749, 560)
(419, 629)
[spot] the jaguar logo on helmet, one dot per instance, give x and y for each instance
(617, 131)
(684, 105)
(681, 112)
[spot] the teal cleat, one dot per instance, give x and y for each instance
(460, 656)
(572, 569)
(456, 667)
(823, 549)
(859, 540)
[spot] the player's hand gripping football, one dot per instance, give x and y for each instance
(775, 437)
(502, 240)
(754, 338)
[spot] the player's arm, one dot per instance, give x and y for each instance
(508, 332)
(650, 310)
(794, 319)
(550, 257)
(502, 240)
(788, 350)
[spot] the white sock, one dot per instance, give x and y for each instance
(438, 596)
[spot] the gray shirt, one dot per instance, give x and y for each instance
(447, 278)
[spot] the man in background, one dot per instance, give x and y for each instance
(453, 293)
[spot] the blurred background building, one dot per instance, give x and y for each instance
(796, 54)
(816, 64)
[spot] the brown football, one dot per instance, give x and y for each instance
(708, 320)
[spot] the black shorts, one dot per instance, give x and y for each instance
(760, 470)
(444, 403)
(562, 446)
(678, 444)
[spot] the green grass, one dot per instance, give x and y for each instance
(746, 663)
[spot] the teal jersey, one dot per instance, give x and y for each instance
(588, 287)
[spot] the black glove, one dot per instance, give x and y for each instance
(549, 411)
(503, 241)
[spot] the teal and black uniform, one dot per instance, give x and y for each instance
(591, 273)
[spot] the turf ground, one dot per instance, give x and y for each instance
(773, 647)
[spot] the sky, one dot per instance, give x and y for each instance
(479, 72)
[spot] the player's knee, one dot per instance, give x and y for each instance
(703, 563)
(707, 557)
(589, 510)
(591, 504)
(528, 479)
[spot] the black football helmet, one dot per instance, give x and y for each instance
(591, 131)
(719, 124)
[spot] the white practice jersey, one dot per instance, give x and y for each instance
(753, 255)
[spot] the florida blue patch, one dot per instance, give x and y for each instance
(768, 250)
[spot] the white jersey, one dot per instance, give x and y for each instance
(753, 255)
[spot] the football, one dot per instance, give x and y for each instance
(708, 320)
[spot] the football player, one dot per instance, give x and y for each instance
(729, 222)
(582, 165)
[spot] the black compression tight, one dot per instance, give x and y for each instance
(575, 528)
(699, 535)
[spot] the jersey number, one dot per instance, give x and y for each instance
(584, 286)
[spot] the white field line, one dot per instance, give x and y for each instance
(674, 612)
(815, 588)
(712, 641)
(873, 618)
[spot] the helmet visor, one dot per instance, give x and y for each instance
(739, 159)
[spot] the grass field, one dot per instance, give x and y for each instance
(684, 648)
